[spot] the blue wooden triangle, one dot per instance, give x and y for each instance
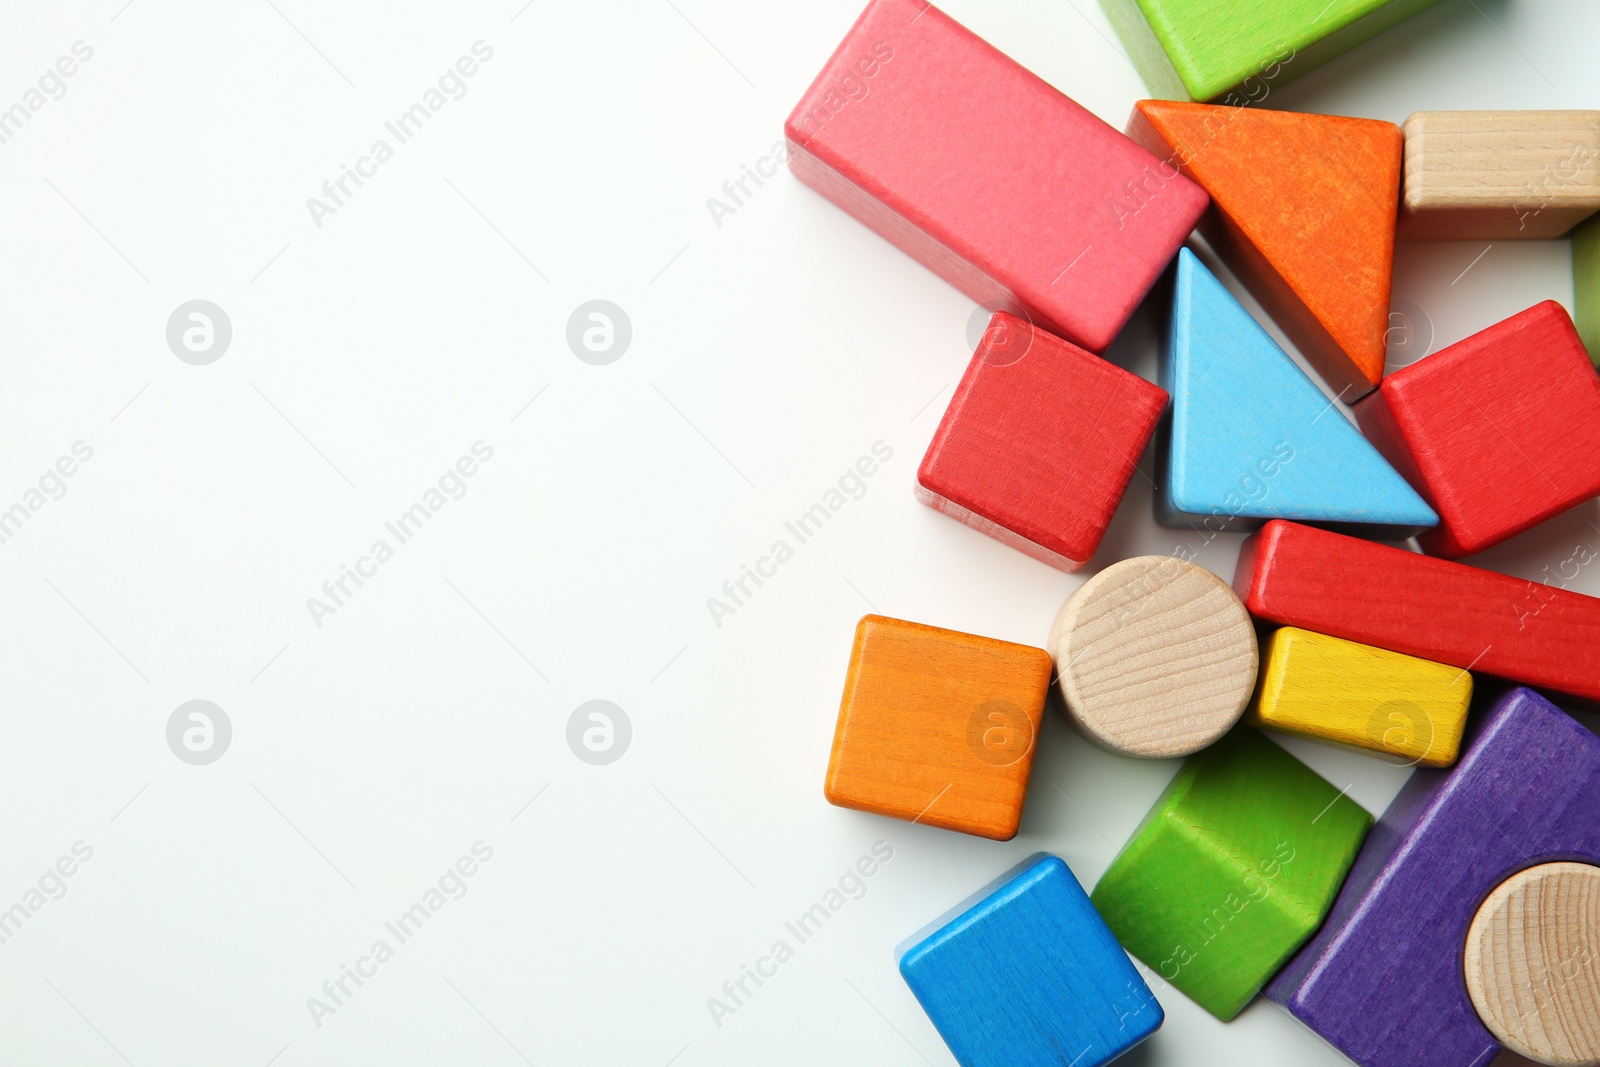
(1252, 438)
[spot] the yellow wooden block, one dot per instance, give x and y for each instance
(1362, 697)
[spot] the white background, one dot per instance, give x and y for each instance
(368, 354)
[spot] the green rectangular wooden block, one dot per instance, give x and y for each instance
(1233, 870)
(1586, 284)
(1238, 49)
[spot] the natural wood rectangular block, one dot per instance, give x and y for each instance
(1499, 175)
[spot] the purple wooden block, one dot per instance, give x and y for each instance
(1382, 979)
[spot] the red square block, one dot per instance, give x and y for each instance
(1499, 432)
(986, 175)
(1038, 443)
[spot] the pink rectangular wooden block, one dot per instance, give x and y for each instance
(986, 175)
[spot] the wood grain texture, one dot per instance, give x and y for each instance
(1421, 606)
(1499, 432)
(1038, 443)
(1156, 657)
(1358, 696)
(1532, 963)
(1499, 175)
(1321, 270)
(1232, 870)
(1028, 975)
(938, 727)
(1586, 284)
(1253, 438)
(1382, 980)
(988, 176)
(1204, 49)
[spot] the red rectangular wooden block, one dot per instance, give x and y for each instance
(986, 175)
(1422, 606)
(1499, 432)
(1038, 443)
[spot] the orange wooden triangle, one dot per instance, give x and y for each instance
(1304, 211)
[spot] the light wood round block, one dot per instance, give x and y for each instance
(1156, 657)
(1532, 963)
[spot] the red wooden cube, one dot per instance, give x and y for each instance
(987, 175)
(1499, 432)
(1038, 443)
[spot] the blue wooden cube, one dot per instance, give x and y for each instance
(1027, 973)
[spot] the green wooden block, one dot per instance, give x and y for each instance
(1238, 49)
(1586, 284)
(1233, 870)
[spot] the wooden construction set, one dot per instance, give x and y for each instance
(1464, 920)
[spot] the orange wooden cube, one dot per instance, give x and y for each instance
(938, 727)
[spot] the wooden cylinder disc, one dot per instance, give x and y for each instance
(1532, 964)
(1156, 657)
